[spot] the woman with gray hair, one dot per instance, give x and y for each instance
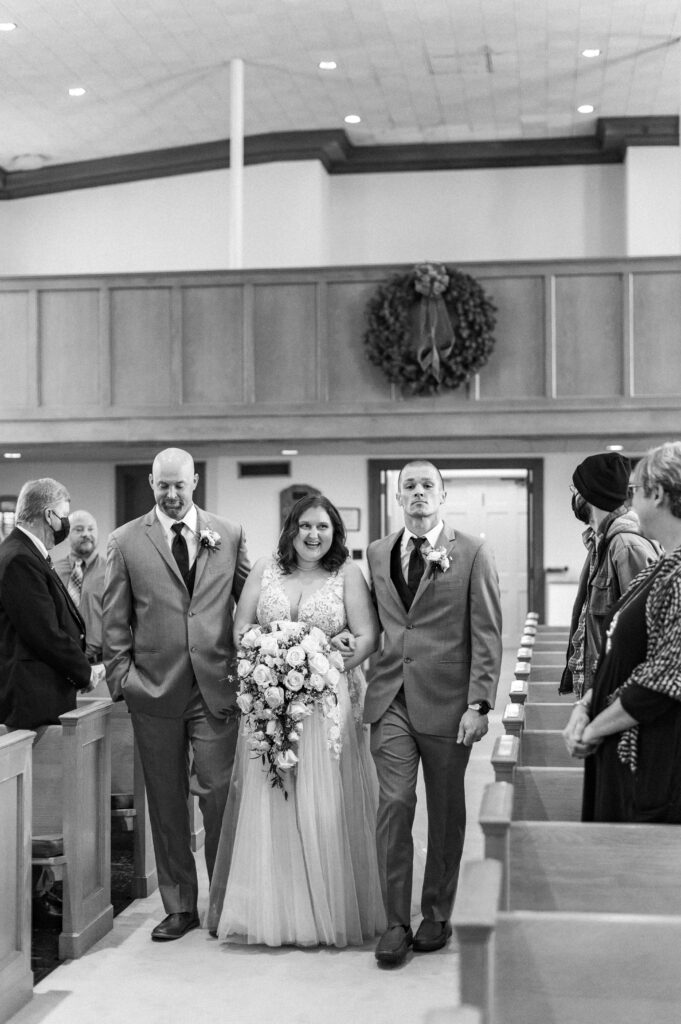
(632, 739)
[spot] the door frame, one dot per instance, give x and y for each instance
(535, 508)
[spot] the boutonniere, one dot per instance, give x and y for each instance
(209, 539)
(438, 558)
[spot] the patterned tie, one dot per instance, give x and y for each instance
(416, 565)
(180, 550)
(75, 583)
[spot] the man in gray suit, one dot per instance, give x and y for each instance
(437, 596)
(172, 578)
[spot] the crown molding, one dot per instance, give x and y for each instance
(339, 155)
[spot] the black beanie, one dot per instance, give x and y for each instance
(602, 480)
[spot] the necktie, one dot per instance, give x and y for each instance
(416, 564)
(75, 583)
(180, 550)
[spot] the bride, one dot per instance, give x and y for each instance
(302, 870)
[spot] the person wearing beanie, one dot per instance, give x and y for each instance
(616, 553)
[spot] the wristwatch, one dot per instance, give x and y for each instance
(483, 707)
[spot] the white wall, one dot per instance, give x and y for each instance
(653, 201)
(296, 215)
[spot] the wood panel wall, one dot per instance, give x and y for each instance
(280, 354)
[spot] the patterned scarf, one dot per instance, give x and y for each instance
(661, 669)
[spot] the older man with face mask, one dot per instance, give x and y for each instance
(82, 573)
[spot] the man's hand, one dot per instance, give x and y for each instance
(345, 643)
(472, 728)
(97, 676)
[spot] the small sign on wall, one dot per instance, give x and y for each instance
(351, 517)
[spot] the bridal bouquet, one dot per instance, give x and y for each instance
(285, 672)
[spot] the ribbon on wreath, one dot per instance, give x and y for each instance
(431, 281)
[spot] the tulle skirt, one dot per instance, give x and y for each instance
(301, 871)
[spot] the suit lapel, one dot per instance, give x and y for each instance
(157, 537)
(54, 575)
(201, 552)
(446, 540)
(383, 553)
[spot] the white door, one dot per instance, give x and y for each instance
(493, 507)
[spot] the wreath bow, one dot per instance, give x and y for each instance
(431, 282)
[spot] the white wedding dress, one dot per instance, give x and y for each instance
(302, 870)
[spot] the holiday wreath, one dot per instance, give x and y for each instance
(430, 329)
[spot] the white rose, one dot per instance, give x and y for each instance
(262, 675)
(274, 696)
(250, 638)
(319, 663)
(272, 727)
(295, 656)
(293, 736)
(244, 668)
(319, 636)
(332, 677)
(268, 645)
(245, 702)
(310, 644)
(336, 659)
(295, 680)
(286, 759)
(317, 682)
(298, 710)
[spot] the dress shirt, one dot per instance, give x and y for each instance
(190, 532)
(406, 547)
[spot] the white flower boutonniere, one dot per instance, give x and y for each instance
(439, 559)
(209, 539)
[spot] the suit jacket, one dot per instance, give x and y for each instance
(446, 649)
(157, 639)
(42, 639)
(90, 606)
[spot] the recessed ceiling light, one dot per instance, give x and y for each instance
(289, 451)
(591, 53)
(7, 26)
(77, 90)
(586, 108)
(614, 447)
(352, 119)
(328, 65)
(27, 162)
(12, 455)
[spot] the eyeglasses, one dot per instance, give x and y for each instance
(631, 488)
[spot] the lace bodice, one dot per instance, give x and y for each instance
(324, 608)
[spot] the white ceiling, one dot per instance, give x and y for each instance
(417, 71)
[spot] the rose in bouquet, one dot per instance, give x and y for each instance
(286, 672)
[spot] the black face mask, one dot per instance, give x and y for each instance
(581, 508)
(63, 531)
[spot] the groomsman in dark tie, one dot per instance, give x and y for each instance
(82, 573)
(172, 579)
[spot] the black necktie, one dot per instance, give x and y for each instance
(180, 550)
(416, 564)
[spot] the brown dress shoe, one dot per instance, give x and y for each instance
(174, 926)
(393, 945)
(431, 935)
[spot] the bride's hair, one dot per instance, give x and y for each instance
(337, 554)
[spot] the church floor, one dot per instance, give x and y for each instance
(127, 979)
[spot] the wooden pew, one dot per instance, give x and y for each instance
(563, 865)
(533, 691)
(547, 673)
(540, 794)
(16, 977)
(518, 716)
(72, 822)
(563, 967)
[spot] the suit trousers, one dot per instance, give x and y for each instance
(167, 747)
(397, 750)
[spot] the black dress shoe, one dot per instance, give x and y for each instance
(393, 945)
(431, 935)
(46, 913)
(174, 926)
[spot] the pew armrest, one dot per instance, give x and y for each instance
(513, 719)
(505, 754)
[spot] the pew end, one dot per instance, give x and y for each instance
(16, 977)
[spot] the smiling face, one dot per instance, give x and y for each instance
(83, 535)
(420, 495)
(314, 537)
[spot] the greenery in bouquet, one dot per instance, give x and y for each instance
(286, 672)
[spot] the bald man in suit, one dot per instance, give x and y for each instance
(172, 579)
(437, 596)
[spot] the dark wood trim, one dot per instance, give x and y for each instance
(339, 155)
(535, 509)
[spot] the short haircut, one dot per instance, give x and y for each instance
(337, 554)
(37, 495)
(420, 462)
(661, 467)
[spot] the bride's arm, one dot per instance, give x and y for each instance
(245, 614)
(361, 615)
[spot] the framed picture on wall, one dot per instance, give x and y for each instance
(351, 517)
